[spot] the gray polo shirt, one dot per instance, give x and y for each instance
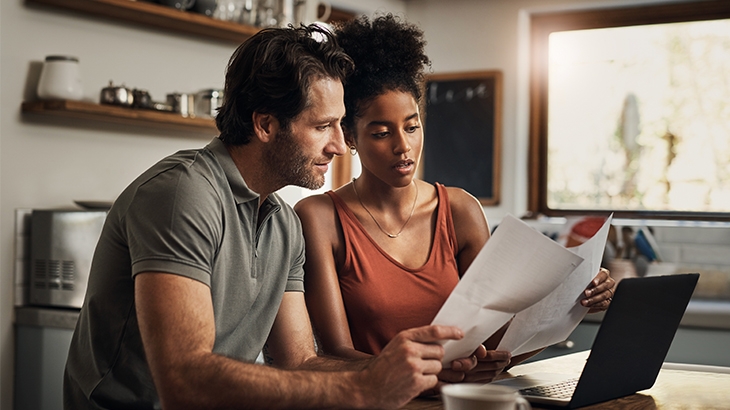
(191, 214)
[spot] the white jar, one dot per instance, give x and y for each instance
(60, 79)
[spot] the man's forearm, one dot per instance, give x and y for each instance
(331, 363)
(215, 381)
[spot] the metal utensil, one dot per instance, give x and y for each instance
(117, 95)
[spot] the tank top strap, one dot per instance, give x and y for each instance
(445, 215)
(352, 229)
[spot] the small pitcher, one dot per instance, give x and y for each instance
(307, 11)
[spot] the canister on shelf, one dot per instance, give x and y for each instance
(60, 79)
(182, 103)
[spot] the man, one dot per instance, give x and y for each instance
(200, 263)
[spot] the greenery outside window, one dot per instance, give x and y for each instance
(630, 111)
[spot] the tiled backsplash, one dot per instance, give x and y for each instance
(684, 247)
(704, 249)
(699, 249)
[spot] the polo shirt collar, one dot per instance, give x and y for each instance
(240, 190)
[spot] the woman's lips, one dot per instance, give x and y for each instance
(404, 167)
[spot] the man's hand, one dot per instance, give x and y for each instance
(408, 365)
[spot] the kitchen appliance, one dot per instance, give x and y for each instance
(205, 7)
(60, 79)
(177, 4)
(62, 245)
(142, 99)
(117, 95)
(207, 103)
(181, 103)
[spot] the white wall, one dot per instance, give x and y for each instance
(50, 164)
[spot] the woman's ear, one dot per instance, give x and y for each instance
(265, 126)
(349, 137)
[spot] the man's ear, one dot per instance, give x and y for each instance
(265, 126)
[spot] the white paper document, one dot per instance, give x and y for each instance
(516, 268)
(553, 319)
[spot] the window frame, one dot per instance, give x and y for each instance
(541, 25)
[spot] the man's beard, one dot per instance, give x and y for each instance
(288, 163)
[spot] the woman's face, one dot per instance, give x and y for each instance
(389, 137)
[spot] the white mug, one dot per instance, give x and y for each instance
(472, 396)
(307, 11)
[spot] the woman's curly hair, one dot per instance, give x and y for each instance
(388, 55)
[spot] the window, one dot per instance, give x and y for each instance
(630, 111)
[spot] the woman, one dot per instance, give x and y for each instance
(384, 251)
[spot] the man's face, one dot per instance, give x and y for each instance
(304, 150)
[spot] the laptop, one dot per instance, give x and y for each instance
(629, 349)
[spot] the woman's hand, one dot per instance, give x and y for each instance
(482, 366)
(599, 293)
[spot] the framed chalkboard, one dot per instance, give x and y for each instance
(463, 132)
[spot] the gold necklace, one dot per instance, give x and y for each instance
(390, 235)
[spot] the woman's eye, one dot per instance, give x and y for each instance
(412, 129)
(380, 134)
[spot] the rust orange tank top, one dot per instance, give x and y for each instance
(383, 297)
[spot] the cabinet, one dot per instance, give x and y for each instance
(155, 15)
(42, 339)
(691, 345)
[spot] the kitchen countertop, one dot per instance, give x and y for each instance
(700, 313)
(63, 318)
(710, 314)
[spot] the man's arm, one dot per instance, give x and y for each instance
(176, 322)
(291, 342)
(406, 364)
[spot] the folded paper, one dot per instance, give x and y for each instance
(553, 319)
(516, 268)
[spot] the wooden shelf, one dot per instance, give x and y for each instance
(155, 15)
(119, 115)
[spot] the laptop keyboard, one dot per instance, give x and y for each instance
(561, 390)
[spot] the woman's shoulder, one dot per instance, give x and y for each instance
(318, 217)
(470, 222)
(314, 204)
(461, 200)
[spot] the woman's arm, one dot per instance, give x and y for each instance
(324, 247)
(470, 224)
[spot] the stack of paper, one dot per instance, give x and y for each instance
(523, 275)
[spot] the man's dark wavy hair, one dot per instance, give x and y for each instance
(389, 56)
(272, 72)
